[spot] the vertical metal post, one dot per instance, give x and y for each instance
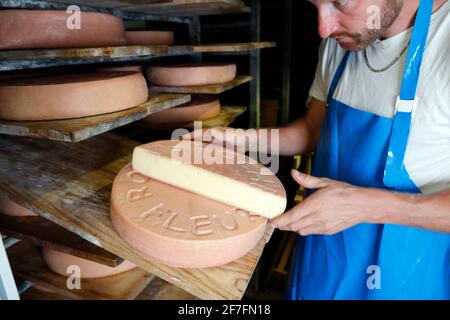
(195, 36)
(287, 60)
(255, 67)
(8, 289)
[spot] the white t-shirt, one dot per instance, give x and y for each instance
(427, 157)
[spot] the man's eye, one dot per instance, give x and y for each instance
(341, 3)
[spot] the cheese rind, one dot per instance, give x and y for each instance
(149, 38)
(199, 108)
(191, 74)
(193, 166)
(44, 29)
(71, 96)
(177, 227)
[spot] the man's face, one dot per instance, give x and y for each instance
(355, 24)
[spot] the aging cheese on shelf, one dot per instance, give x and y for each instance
(11, 208)
(213, 172)
(71, 96)
(33, 29)
(149, 38)
(60, 263)
(180, 228)
(191, 74)
(201, 107)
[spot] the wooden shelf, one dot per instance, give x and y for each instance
(27, 263)
(40, 231)
(169, 7)
(208, 89)
(75, 130)
(226, 117)
(38, 58)
(70, 185)
(224, 47)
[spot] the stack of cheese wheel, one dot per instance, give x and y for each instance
(58, 261)
(189, 213)
(32, 29)
(201, 107)
(149, 38)
(185, 75)
(71, 96)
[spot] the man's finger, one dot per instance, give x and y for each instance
(309, 181)
(296, 213)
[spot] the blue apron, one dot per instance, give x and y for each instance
(367, 150)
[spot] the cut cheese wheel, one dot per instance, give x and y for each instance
(199, 108)
(32, 29)
(71, 96)
(213, 172)
(10, 208)
(149, 38)
(65, 264)
(180, 228)
(191, 74)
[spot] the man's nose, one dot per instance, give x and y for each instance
(327, 23)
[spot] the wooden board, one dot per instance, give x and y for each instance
(159, 289)
(70, 184)
(29, 59)
(208, 89)
(225, 47)
(40, 231)
(83, 53)
(75, 130)
(154, 7)
(27, 263)
(226, 117)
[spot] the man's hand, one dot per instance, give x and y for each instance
(334, 207)
(221, 136)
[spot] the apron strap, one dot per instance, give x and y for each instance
(394, 169)
(337, 76)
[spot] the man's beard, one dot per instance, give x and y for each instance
(358, 41)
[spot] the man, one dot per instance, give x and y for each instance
(378, 223)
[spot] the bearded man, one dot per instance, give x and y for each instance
(377, 225)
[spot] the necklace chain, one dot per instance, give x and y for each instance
(389, 65)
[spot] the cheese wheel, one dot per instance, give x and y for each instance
(10, 208)
(213, 172)
(199, 108)
(191, 74)
(33, 29)
(60, 262)
(71, 96)
(149, 38)
(179, 228)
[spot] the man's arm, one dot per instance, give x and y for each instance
(298, 137)
(337, 206)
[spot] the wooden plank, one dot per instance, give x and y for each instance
(159, 289)
(39, 58)
(226, 117)
(45, 233)
(70, 184)
(191, 7)
(225, 47)
(75, 130)
(208, 89)
(83, 53)
(27, 263)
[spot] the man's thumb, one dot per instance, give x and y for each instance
(309, 181)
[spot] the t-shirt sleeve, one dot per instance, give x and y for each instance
(319, 87)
